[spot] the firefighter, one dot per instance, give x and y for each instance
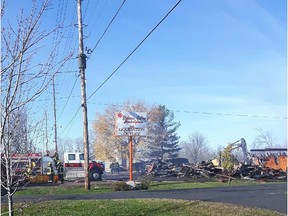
(50, 172)
(55, 158)
(114, 167)
(33, 167)
(60, 171)
(27, 171)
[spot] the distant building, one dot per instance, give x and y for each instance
(267, 151)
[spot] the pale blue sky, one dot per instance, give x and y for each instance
(219, 57)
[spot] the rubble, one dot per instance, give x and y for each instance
(207, 169)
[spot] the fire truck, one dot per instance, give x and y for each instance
(20, 162)
(74, 167)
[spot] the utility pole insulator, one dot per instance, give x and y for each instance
(82, 61)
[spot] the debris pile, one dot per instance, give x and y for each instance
(169, 169)
(206, 169)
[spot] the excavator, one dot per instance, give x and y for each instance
(241, 143)
(268, 161)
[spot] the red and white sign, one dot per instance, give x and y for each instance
(130, 124)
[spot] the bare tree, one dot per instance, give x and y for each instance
(264, 139)
(196, 149)
(22, 81)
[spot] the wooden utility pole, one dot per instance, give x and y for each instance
(82, 67)
(55, 120)
(46, 136)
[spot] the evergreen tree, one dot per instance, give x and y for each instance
(162, 137)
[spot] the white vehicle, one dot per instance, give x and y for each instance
(74, 167)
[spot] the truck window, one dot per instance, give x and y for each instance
(81, 156)
(71, 157)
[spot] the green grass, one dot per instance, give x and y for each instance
(62, 190)
(104, 187)
(137, 207)
(207, 184)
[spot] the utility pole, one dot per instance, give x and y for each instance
(55, 120)
(46, 136)
(82, 67)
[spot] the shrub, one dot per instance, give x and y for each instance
(146, 181)
(120, 186)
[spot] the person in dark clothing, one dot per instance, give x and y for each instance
(60, 171)
(117, 167)
(114, 167)
(50, 172)
(55, 158)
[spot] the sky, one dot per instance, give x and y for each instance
(220, 66)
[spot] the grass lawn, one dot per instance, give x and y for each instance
(136, 207)
(61, 190)
(105, 187)
(188, 185)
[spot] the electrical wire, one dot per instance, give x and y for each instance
(70, 122)
(214, 113)
(106, 28)
(191, 112)
(135, 49)
(68, 98)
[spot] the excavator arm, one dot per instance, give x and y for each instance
(240, 144)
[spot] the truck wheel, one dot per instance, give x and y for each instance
(95, 175)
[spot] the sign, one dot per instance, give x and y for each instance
(130, 124)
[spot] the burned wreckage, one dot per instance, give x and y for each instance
(268, 163)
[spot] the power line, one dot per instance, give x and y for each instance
(126, 57)
(184, 111)
(95, 15)
(58, 98)
(213, 113)
(135, 49)
(70, 122)
(91, 51)
(68, 98)
(189, 112)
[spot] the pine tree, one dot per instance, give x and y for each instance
(162, 137)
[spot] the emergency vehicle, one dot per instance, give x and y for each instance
(23, 164)
(74, 167)
(21, 161)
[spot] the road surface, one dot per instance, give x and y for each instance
(267, 196)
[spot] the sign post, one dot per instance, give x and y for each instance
(130, 124)
(131, 160)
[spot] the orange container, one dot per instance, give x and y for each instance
(40, 179)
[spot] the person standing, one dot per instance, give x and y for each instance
(60, 171)
(117, 167)
(55, 158)
(50, 172)
(27, 171)
(33, 168)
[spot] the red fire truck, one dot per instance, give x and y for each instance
(74, 167)
(20, 162)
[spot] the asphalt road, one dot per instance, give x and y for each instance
(266, 196)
